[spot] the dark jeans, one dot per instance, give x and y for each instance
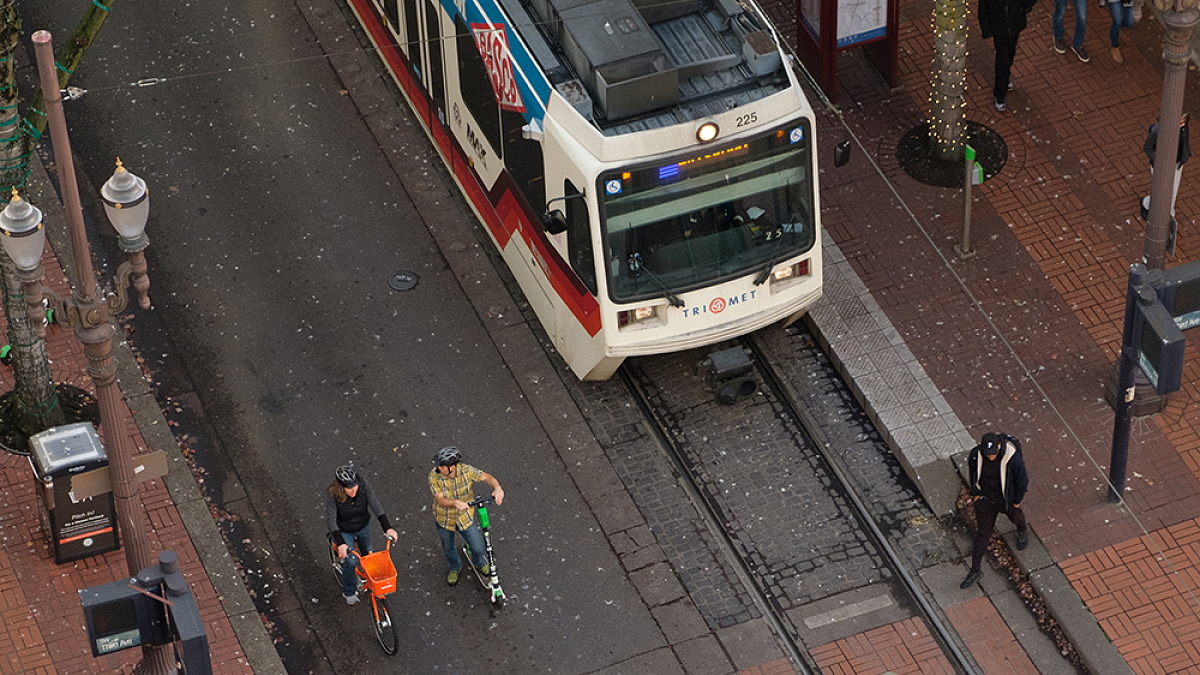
(1006, 51)
(474, 538)
(1122, 17)
(1056, 20)
(363, 540)
(985, 521)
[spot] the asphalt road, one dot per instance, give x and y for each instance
(279, 211)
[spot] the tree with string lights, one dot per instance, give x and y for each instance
(948, 113)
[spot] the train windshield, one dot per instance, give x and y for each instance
(727, 212)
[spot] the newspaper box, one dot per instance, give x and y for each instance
(75, 526)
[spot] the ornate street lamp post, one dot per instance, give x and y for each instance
(1179, 18)
(90, 313)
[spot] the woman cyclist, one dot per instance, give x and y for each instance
(348, 508)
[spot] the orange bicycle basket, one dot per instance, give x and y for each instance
(379, 571)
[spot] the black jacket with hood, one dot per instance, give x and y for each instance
(1014, 481)
(1003, 15)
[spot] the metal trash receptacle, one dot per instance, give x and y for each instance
(75, 526)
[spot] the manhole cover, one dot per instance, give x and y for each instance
(917, 159)
(403, 281)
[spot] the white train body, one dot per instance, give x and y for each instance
(596, 111)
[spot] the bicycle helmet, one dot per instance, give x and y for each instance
(346, 476)
(447, 456)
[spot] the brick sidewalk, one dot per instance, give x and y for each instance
(1023, 337)
(42, 628)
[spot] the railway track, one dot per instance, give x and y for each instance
(797, 501)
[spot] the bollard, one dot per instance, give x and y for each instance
(964, 249)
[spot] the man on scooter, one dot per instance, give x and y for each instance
(453, 485)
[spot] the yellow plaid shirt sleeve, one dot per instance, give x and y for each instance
(460, 487)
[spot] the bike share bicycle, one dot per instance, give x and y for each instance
(377, 574)
(490, 582)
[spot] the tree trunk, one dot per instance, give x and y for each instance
(947, 126)
(35, 405)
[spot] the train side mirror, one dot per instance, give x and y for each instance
(554, 222)
(841, 153)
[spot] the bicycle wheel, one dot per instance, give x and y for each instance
(385, 630)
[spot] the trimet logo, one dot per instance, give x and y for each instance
(718, 305)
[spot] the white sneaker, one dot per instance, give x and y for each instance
(1000, 106)
(351, 599)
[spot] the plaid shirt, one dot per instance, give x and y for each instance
(460, 487)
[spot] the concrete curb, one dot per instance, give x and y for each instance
(903, 403)
(181, 485)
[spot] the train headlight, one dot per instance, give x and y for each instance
(642, 317)
(707, 132)
(783, 277)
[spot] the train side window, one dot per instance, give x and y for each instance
(475, 86)
(579, 237)
(412, 36)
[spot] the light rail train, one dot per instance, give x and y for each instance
(646, 167)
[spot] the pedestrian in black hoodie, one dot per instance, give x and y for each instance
(1003, 21)
(998, 482)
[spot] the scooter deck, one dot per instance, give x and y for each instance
(489, 583)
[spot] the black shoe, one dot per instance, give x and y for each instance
(972, 577)
(1143, 210)
(1022, 541)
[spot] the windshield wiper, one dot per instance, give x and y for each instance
(771, 260)
(635, 270)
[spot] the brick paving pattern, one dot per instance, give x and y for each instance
(990, 640)
(1133, 591)
(905, 648)
(42, 628)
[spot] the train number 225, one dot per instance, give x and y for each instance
(747, 119)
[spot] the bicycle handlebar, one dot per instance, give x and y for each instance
(350, 549)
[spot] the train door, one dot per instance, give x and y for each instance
(411, 44)
(435, 74)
